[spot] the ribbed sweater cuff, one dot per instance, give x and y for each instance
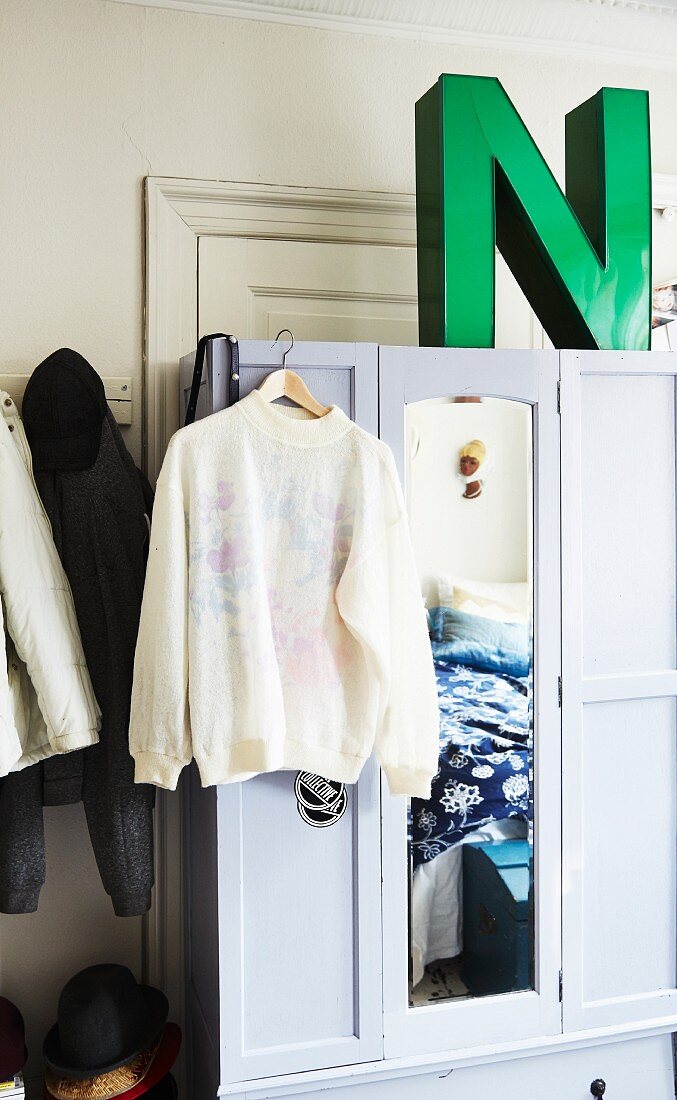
(70, 742)
(131, 905)
(20, 901)
(153, 767)
(409, 781)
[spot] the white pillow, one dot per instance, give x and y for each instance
(476, 605)
(507, 601)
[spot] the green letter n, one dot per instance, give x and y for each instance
(583, 262)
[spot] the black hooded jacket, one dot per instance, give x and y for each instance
(100, 526)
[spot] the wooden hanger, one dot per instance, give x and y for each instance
(286, 383)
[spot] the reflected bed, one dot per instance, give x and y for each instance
(483, 787)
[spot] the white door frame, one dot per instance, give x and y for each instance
(178, 212)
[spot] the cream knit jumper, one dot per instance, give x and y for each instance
(282, 622)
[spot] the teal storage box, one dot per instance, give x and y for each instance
(497, 903)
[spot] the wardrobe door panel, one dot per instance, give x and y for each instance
(628, 494)
(619, 685)
(629, 822)
(299, 930)
(342, 374)
(299, 907)
(298, 899)
(472, 930)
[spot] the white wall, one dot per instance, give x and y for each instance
(487, 538)
(95, 95)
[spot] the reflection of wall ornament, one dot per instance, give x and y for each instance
(664, 304)
(472, 463)
(664, 316)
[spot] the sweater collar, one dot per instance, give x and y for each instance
(291, 424)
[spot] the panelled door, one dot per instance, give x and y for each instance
(419, 387)
(619, 686)
(330, 290)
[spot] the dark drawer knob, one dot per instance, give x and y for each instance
(598, 1087)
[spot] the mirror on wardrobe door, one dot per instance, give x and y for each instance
(471, 846)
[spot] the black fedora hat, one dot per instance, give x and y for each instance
(105, 1018)
(131, 1081)
(63, 410)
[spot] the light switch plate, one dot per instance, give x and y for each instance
(119, 398)
(118, 394)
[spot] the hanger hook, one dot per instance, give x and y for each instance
(286, 353)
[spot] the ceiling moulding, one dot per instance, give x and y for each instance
(623, 31)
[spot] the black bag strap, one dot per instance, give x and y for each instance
(233, 373)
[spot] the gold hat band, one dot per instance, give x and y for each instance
(106, 1085)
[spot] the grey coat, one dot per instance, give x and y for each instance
(98, 517)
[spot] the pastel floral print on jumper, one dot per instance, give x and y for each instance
(226, 561)
(221, 559)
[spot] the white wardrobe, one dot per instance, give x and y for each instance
(299, 975)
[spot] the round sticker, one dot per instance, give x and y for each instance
(321, 802)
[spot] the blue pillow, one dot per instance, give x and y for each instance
(485, 644)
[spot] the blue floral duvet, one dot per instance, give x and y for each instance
(484, 772)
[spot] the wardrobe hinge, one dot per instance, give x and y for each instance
(559, 691)
(561, 986)
(559, 397)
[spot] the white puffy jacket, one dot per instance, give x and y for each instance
(47, 704)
